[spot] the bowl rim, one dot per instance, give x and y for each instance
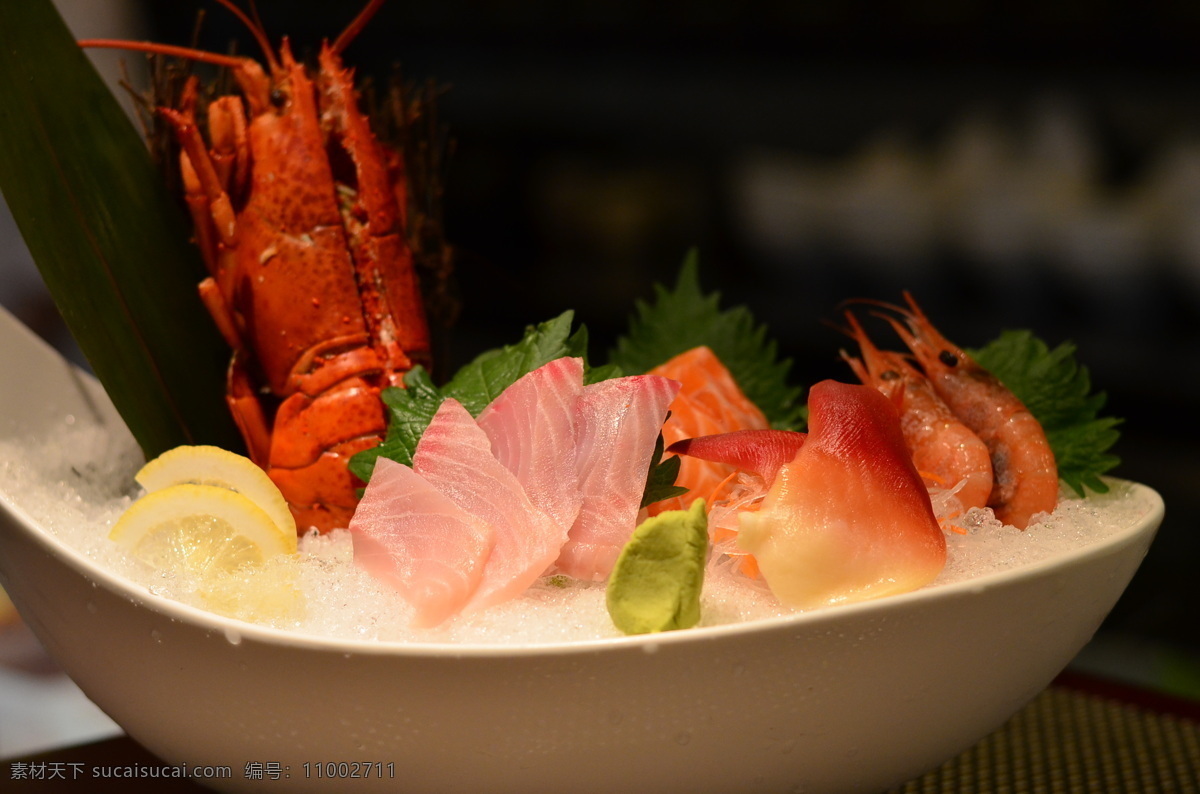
(237, 631)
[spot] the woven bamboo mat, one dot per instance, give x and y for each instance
(1074, 741)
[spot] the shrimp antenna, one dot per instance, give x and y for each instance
(852, 328)
(913, 309)
(911, 313)
(880, 304)
(903, 331)
(869, 351)
(356, 25)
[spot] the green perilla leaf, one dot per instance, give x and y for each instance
(685, 317)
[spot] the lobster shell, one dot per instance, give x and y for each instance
(300, 214)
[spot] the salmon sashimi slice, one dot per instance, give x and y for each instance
(617, 423)
(455, 456)
(411, 536)
(849, 517)
(531, 426)
(709, 402)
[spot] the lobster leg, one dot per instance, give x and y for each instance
(220, 209)
(230, 149)
(205, 183)
(219, 310)
(246, 407)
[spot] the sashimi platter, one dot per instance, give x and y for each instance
(607, 504)
(676, 564)
(542, 501)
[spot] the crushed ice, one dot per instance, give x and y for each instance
(77, 483)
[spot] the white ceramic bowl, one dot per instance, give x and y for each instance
(856, 698)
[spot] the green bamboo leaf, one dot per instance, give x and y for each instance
(111, 244)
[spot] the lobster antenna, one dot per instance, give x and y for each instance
(255, 28)
(356, 25)
(232, 61)
(258, 23)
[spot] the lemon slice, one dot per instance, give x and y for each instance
(205, 530)
(207, 465)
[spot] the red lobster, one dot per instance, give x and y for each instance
(299, 213)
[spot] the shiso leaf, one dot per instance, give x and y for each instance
(656, 582)
(410, 410)
(475, 385)
(482, 380)
(685, 317)
(111, 244)
(660, 480)
(1057, 390)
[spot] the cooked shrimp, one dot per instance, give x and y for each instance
(1025, 475)
(946, 452)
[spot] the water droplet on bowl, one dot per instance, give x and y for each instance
(233, 636)
(156, 635)
(92, 608)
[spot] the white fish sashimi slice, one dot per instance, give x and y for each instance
(532, 429)
(617, 423)
(455, 457)
(409, 535)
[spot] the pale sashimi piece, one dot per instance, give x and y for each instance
(455, 457)
(532, 429)
(409, 535)
(617, 423)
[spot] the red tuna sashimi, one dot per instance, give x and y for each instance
(532, 429)
(617, 423)
(408, 534)
(455, 457)
(849, 517)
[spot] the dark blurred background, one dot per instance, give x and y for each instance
(1014, 165)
